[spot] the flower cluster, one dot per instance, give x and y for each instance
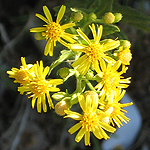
(32, 79)
(91, 60)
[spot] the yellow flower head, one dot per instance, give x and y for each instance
(117, 116)
(53, 31)
(111, 78)
(94, 51)
(90, 121)
(38, 87)
(125, 55)
(23, 74)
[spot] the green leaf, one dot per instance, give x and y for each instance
(110, 29)
(131, 15)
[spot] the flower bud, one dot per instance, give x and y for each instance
(118, 17)
(89, 75)
(92, 16)
(125, 43)
(125, 55)
(92, 94)
(38, 36)
(109, 18)
(60, 107)
(63, 72)
(77, 16)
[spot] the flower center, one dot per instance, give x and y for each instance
(111, 80)
(94, 52)
(125, 56)
(89, 121)
(53, 32)
(39, 87)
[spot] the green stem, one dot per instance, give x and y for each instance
(89, 84)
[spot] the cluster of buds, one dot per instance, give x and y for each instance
(90, 61)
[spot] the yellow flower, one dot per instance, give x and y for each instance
(23, 74)
(53, 31)
(117, 116)
(94, 51)
(90, 121)
(125, 55)
(38, 87)
(111, 79)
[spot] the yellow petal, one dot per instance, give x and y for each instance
(103, 65)
(116, 65)
(83, 36)
(74, 128)
(111, 45)
(42, 18)
(49, 100)
(33, 101)
(55, 81)
(63, 42)
(38, 29)
(93, 31)
(97, 133)
(68, 25)
(47, 14)
(81, 102)
(99, 33)
(44, 103)
(48, 48)
(73, 115)
(68, 38)
(76, 47)
(60, 13)
(80, 135)
(88, 103)
(39, 104)
(96, 66)
(87, 138)
(103, 133)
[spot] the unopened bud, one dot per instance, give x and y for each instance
(109, 18)
(89, 75)
(38, 36)
(63, 72)
(77, 16)
(118, 17)
(60, 107)
(92, 94)
(92, 16)
(125, 43)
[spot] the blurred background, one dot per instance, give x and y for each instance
(21, 127)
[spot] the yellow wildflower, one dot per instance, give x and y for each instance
(111, 79)
(94, 51)
(117, 116)
(38, 87)
(125, 55)
(90, 121)
(53, 31)
(23, 74)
